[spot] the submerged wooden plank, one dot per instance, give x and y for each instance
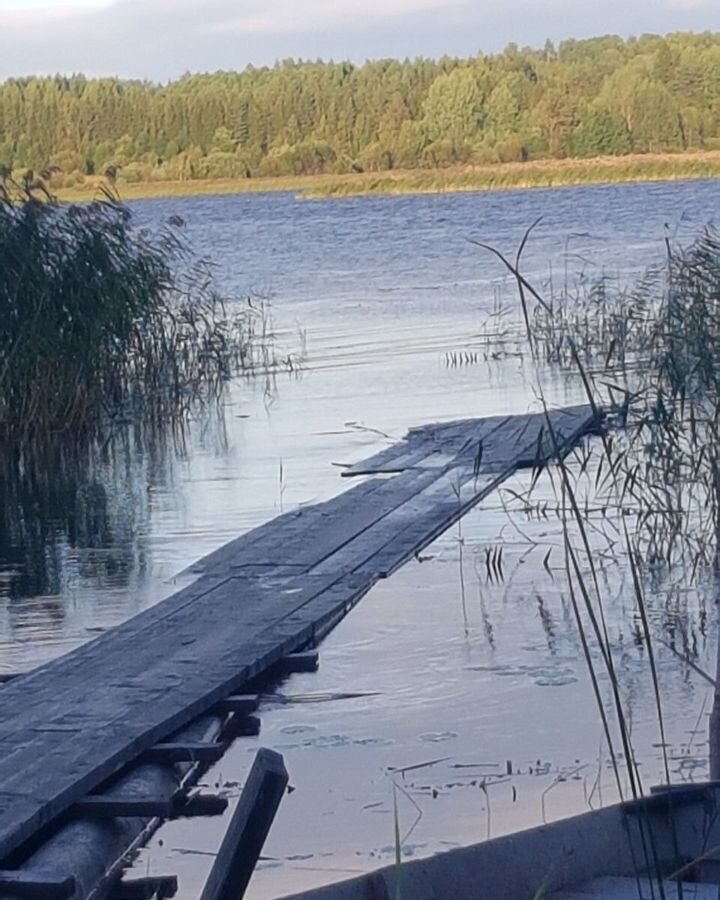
(264, 545)
(415, 524)
(317, 532)
(442, 440)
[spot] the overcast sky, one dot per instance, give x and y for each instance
(161, 39)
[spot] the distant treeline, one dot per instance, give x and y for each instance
(580, 99)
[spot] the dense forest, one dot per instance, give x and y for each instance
(604, 96)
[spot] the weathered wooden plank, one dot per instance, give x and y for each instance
(186, 752)
(307, 661)
(106, 806)
(40, 885)
(218, 662)
(264, 544)
(248, 829)
(240, 704)
(266, 595)
(417, 523)
(424, 520)
(316, 534)
(137, 642)
(443, 440)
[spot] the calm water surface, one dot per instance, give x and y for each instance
(478, 682)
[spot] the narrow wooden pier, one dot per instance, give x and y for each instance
(68, 726)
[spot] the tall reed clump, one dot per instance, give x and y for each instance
(650, 355)
(112, 339)
(653, 351)
(101, 321)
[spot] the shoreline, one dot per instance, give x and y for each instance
(639, 168)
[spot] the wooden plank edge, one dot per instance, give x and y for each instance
(36, 884)
(305, 661)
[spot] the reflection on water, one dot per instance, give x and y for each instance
(470, 668)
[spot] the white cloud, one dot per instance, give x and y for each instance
(691, 4)
(290, 17)
(163, 38)
(50, 5)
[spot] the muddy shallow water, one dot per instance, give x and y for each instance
(472, 678)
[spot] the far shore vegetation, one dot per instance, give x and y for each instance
(604, 109)
(500, 176)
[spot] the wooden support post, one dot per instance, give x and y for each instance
(240, 704)
(201, 805)
(308, 661)
(248, 828)
(186, 752)
(242, 726)
(33, 885)
(160, 887)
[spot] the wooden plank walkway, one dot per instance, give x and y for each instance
(69, 725)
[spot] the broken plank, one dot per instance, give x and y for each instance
(248, 828)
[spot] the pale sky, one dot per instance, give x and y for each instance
(161, 39)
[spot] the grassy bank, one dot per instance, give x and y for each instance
(501, 176)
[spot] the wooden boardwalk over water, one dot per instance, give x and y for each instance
(70, 725)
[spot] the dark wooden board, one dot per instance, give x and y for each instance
(37, 885)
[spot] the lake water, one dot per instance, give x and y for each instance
(482, 678)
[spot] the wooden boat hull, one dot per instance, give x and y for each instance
(662, 835)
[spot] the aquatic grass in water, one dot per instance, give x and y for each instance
(101, 322)
(113, 340)
(650, 355)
